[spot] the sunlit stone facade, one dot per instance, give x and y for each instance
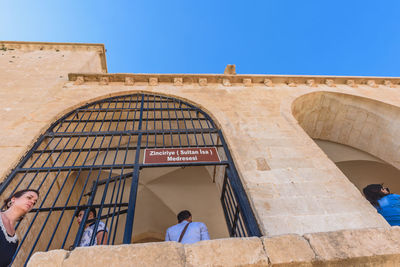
(302, 200)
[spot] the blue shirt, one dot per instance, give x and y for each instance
(195, 232)
(390, 208)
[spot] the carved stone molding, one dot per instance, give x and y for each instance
(226, 82)
(330, 83)
(268, 83)
(291, 83)
(203, 81)
(372, 83)
(129, 81)
(178, 81)
(311, 82)
(351, 83)
(388, 83)
(79, 80)
(247, 82)
(229, 80)
(104, 80)
(153, 81)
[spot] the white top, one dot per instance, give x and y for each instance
(10, 239)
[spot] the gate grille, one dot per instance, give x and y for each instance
(92, 158)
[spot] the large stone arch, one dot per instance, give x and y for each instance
(79, 150)
(358, 134)
(366, 124)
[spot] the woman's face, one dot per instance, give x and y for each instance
(25, 202)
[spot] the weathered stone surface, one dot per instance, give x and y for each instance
(53, 258)
(366, 247)
(261, 121)
(230, 69)
(226, 252)
(148, 254)
(288, 249)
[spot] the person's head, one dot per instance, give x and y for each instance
(22, 201)
(374, 192)
(81, 211)
(184, 215)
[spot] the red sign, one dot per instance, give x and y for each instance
(181, 155)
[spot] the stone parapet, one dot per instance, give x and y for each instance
(365, 247)
(40, 46)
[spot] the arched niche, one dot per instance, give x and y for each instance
(359, 134)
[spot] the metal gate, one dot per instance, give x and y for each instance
(92, 157)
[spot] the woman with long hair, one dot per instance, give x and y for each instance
(387, 204)
(15, 207)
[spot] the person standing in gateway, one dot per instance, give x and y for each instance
(186, 231)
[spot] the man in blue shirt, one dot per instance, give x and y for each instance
(189, 232)
(388, 205)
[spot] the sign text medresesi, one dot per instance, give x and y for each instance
(183, 155)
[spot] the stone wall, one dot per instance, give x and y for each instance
(359, 122)
(367, 247)
(292, 185)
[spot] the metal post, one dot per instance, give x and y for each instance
(135, 180)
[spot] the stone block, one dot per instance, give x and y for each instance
(226, 252)
(311, 83)
(52, 258)
(247, 82)
(262, 164)
(178, 81)
(147, 254)
(268, 82)
(129, 81)
(226, 82)
(366, 247)
(351, 83)
(288, 249)
(203, 81)
(330, 83)
(153, 81)
(104, 80)
(79, 80)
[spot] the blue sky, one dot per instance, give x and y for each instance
(315, 37)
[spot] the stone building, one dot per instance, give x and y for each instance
(293, 154)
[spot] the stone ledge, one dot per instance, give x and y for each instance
(35, 46)
(243, 79)
(364, 247)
